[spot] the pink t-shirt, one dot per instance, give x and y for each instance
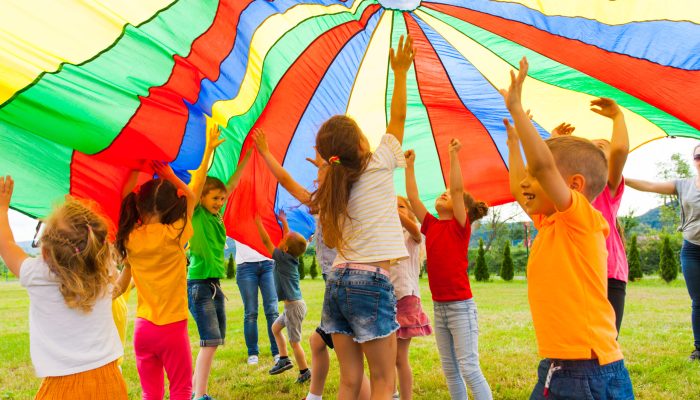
(608, 205)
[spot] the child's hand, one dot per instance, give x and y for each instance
(410, 156)
(318, 161)
(512, 96)
(282, 216)
(606, 107)
(455, 145)
(402, 59)
(163, 170)
(510, 130)
(213, 140)
(260, 141)
(563, 129)
(6, 187)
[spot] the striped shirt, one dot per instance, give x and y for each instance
(404, 276)
(373, 232)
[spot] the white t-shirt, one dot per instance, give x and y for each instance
(404, 275)
(246, 254)
(62, 340)
(374, 233)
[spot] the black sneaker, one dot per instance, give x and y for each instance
(304, 377)
(282, 365)
(695, 355)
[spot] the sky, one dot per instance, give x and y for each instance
(641, 164)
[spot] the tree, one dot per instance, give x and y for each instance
(677, 168)
(496, 223)
(628, 222)
(507, 265)
(302, 267)
(481, 273)
(634, 261)
(313, 271)
(231, 268)
(668, 267)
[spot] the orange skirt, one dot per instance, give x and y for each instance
(105, 382)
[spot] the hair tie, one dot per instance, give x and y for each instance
(180, 193)
(334, 160)
(77, 250)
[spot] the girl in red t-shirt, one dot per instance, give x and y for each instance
(447, 244)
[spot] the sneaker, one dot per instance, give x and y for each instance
(304, 377)
(276, 357)
(396, 396)
(281, 366)
(252, 360)
(695, 355)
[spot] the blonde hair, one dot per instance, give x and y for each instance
(575, 155)
(408, 207)
(76, 248)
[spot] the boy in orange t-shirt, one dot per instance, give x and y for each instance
(567, 270)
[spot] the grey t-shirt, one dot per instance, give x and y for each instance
(689, 198)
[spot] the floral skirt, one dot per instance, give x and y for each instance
(414, 322)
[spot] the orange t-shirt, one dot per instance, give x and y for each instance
(156, 254)
(567, 285)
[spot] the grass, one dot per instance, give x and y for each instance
(656, 340)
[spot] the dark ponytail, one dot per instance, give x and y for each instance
(128, 218)
(476, 210)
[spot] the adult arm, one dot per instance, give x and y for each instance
(412, 188)
(668, 188)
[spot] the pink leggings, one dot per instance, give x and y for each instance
(163, 346)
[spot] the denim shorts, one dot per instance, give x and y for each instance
(583, 379)
(360, 304)
(206, 303)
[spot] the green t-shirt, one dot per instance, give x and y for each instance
(207, 246)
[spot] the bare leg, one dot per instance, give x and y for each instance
(381, 357)
(299, 355)
(320, 363)
(365, 390)
(351, 366)
(403, 368)
(279, 338)
(202, 368)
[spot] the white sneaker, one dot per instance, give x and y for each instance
(277, 358)
(252, 360)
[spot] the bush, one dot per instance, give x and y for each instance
(313, 271)
(634, 261)
(668, 265)
(231, 268)
(507, 265)
(481, 272)
(302, 267)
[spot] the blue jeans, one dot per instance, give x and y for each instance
(583, 380)
(690, 263)
(457, 333)
(249, 277)
(205, 300)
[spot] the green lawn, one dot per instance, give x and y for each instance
(656, 341)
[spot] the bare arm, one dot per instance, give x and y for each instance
(619, 143)
(236, 177)
(282, 217)
(668, 188)
(401, 61)
(456, 184)
(200, 176)
(264, 236)
(166, 172)
(10, 252)
(123, 281)
(411, 227)
(283, 177)
(412, 188)
(131, 181)
(516, 166)
(540, 161)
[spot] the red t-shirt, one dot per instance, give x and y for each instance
(447, 245)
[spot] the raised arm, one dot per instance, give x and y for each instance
(412, 188)
(200, 176)
(236, 177)
(456, 184)
(540, 162)
(283, 177)
(619, 142)
(166, 172)
(282, 217)
(401, 61)
(516, 166)
(10, 252)
(411, 227)
(668, 188)
(123, 281)
(263, 235)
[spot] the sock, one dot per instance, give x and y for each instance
(311, 396)
(303, 371)
(284, 358)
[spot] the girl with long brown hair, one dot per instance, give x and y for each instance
(73, 341)
(356, 203)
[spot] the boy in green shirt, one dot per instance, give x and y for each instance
(205, 297)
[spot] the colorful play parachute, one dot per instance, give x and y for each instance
(89, 91)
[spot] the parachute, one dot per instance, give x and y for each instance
(89, 92)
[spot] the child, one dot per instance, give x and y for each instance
(154, 226)
(207, 266)
(409, 313)
(447, 245)
(73, 340)
(356, 203)
(286, 256)
(319, 341)
(608, 202)
(574, 321)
